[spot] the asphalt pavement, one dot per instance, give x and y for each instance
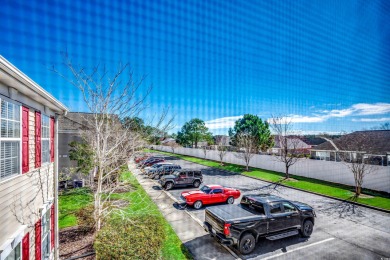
(341, 231)
(186, 226)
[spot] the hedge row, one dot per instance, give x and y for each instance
(139, 237)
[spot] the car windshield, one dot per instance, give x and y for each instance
(176, 173)
(206, 189)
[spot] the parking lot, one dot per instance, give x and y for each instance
(341, 231)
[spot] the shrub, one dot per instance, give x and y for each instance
(85, 219)
(139, 237)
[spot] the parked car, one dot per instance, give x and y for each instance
(154, 166)
(182, 177)
(141, 158)
(257, 216)
(163, 170)
(150, 161)
(210, 194)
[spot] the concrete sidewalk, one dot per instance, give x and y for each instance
(191, 233)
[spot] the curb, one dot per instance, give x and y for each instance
(311, 192)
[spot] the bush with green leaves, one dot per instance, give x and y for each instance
(85, 219)
(139, 237)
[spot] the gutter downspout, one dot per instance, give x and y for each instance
(56, 229)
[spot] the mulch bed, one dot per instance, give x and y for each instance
(75, 243)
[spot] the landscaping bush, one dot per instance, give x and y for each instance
(85, 219)
(139, 237)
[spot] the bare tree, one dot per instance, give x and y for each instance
(222, 151)
(27, 211)
(204, 149)
(110, 97)
(354, 150)
(289, 147)
(173, 146)
(385, 126)
(247, 147)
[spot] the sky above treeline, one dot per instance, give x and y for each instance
(323, 64)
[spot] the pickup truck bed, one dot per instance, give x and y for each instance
(232, 213)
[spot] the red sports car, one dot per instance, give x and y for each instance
(210, 194)
(141, 158)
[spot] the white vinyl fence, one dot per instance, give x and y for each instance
(336, 172)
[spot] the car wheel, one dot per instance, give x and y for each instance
(307, 228)
(230, 200)
(198, 204)
(196, 184)
(247, 244)
(169, 186)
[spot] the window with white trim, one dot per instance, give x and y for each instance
(46, 235)
(45, 139)
(10, 139)
(15, 254)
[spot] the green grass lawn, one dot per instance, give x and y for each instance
(69, 203)
(139, 203)
(376, 199)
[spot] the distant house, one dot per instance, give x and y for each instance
(373, 146)
(203, 144)
(294, 144)
(28, 169)
(312, 140)
(222, 140)
(169, 142)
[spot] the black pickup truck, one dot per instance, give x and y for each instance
(256, 216)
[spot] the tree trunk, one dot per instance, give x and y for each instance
(98, 205)
(287, 174)
(358, 190)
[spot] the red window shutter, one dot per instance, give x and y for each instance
(25, 146)
(52, 139)
(38, 252)
(52, 219)
(26, 247)
(37, 139)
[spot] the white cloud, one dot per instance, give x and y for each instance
(224, 122)
(383, 119)
(372, 109)
(361, 109)
(299, 119)
(339, 113)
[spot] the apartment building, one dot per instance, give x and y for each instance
(28, 167)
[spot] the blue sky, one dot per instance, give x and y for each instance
(324, 64)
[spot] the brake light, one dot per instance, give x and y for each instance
(226, 229)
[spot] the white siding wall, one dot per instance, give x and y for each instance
(336, 172)
(17, 192)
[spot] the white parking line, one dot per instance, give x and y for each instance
(299, 248)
